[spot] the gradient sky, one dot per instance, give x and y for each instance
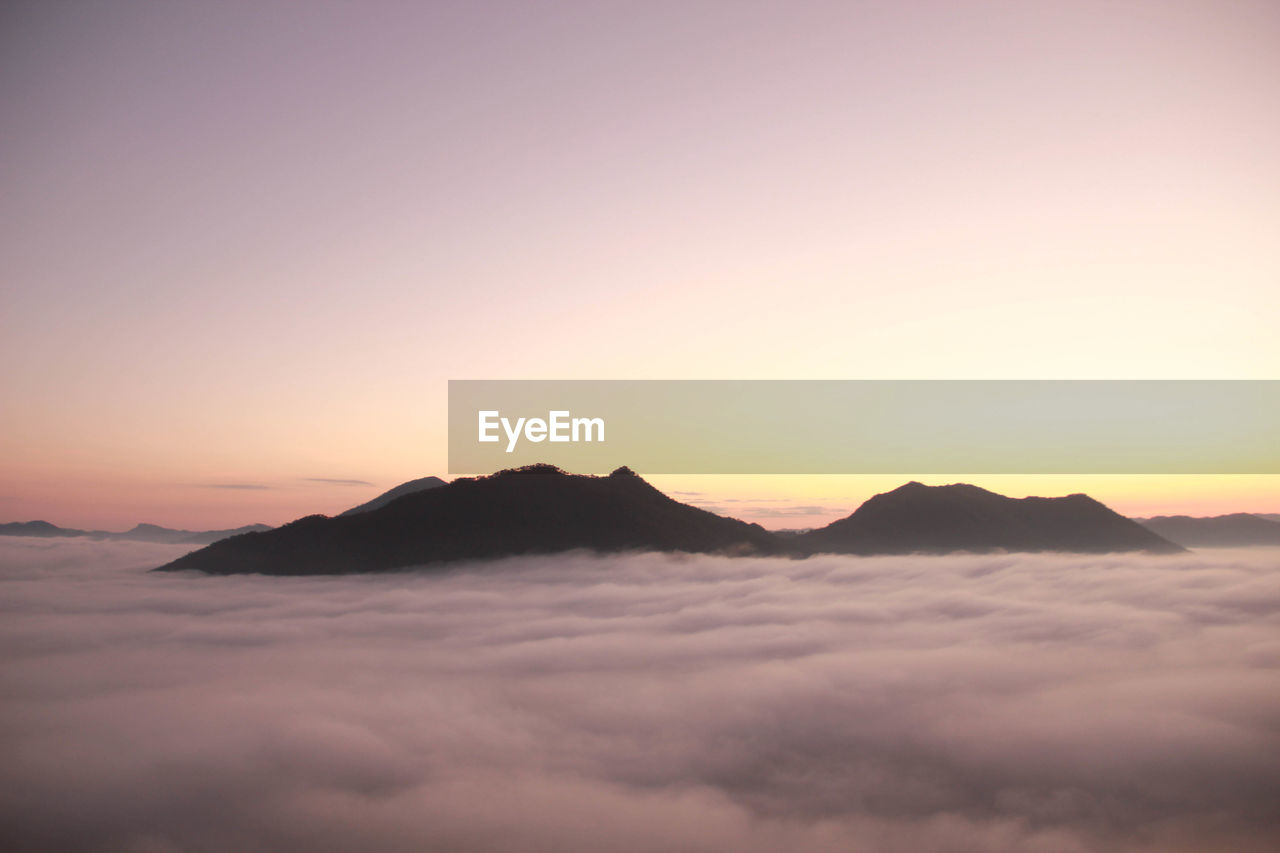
(246, 244)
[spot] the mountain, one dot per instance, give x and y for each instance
(534, 510)
(540, 509)
(940, 519)
(37, 528)
(155, 533)
(140, 533)
(399, 491)
(1221, 531)
(1269, 516)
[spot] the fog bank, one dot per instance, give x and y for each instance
(640, 703)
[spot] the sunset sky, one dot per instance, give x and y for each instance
(245, 245)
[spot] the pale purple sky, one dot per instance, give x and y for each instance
(248, 243)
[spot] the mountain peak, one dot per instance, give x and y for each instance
(407, 488)
(536, 469)
(144, 527)
(916, 489)
(963, 517)
(537, 509)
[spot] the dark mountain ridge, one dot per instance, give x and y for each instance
(916, 518)
(541, 509)
(534, 510)
(1239, 529)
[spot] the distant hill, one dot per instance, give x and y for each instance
(939, 519)
(399, 491)
(534, 510)
(154, 533)
(37, 528)
(140, 533)
(1239, 529)
(1269, 516)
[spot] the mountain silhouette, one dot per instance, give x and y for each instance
(140, 533)
(155, 533)
(939, 519)
(538, 509)
(1238, 529)
(399, 491)
(37, 528)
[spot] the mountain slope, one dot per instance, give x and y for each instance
(531, 510)
(421, 484)
(1239, 529)
(960, 517)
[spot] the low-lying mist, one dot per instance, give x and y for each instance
(641, 703)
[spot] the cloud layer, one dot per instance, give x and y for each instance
(649, 702)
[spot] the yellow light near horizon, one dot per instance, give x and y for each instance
(839, 495)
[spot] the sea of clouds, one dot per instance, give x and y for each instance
(642, 703)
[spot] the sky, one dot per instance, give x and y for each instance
(244, 246)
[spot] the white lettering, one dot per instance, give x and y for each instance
(558, 427)
(587, 424)
(487, 423)
(559, 421)
(513, 435)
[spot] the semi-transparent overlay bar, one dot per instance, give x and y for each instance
(867, 426)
